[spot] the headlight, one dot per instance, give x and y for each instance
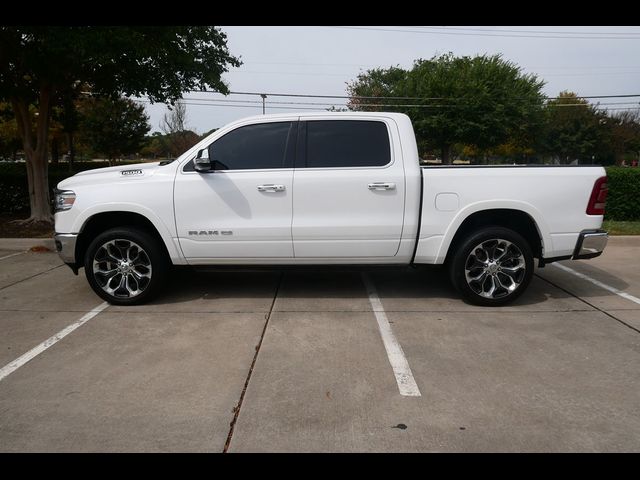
(64, 200)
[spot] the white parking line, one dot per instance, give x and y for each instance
(12, 255)
(598, 283)
(401, 369)
(34, 352)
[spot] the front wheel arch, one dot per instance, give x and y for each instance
(101, 222)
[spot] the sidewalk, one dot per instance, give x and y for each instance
(21, 244)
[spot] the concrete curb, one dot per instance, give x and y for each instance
(21, 244)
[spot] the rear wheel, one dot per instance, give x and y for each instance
(492, 267)
(125, 266)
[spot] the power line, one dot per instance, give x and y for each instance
(240, 106)
(360, 97)
(294, 73)
(588, 74)
(312, 64)
(465, 29)
(272, 102)
(485, 34)
(325, 106)
(321, 96)
(349, 74)
(556, 67)
(543, 68)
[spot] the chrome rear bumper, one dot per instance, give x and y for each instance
(590, 244)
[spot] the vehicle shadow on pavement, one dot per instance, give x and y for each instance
(599, 274)
(187, 284)
(432, 282)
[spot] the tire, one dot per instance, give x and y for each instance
(481, 279)
(126, 283)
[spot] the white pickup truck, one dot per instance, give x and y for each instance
(321, 189)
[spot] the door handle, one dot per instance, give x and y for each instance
(382, 186)
(271, 188)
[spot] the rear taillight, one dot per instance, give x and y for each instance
(598, 197)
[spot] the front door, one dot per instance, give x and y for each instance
(243, 209)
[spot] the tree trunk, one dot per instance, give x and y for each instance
(35, 150)
(72, 150)
(446, 155)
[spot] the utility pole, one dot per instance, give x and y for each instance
(264, 97)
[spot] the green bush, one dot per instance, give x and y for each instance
(623, 200)
(14, 192)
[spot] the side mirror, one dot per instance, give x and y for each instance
(202, 163)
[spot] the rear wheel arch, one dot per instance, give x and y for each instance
(513, 219)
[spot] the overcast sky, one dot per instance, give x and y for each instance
(321, 60)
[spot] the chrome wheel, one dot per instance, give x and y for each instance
(495, 268)
(122, 268)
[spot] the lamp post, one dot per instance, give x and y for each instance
(264, 97)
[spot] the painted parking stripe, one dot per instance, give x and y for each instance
(401, 369)
(34, 352)
(620, 293)
(12, 255)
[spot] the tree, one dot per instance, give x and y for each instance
(174, 125)
(625, 133)
(482, 101)
(175, 120)
(69, 118)
(156, 145)
(574, 129)
(9, 139)
(113, 127)
(160, 62)
(206, 134)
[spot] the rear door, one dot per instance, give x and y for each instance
(349, 188)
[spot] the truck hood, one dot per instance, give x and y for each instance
(122, 173)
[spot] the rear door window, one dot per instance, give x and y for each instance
(347, 143)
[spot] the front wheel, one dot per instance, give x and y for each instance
(125, 266)
(492, 267)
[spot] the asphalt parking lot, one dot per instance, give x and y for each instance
(296, 361)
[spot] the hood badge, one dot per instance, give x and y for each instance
(129, 173)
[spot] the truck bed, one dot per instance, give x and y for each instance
(554, 196)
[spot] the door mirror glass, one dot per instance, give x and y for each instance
(202, 163)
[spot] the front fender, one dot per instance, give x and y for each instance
(165, 232)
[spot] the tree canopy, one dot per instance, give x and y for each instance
(482, 101)
(113, 127)
(574, 129)
(39, 62)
